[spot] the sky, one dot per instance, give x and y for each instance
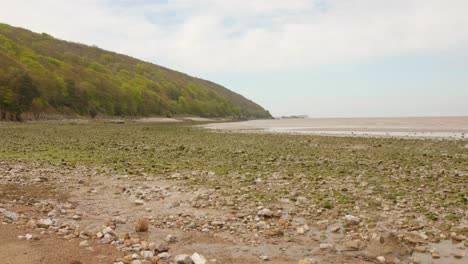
(322, 58)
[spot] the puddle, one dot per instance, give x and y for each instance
(446, 250)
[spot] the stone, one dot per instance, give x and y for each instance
(10, 216)
(304, 262)
(44, 223)
(164, 256)
(76, 217)
(420, 249)
(139, 202)
(162, 248)
(353, 244)
(108, 230)
(171, 238)
(142, 225)
(459, 254)
(124, 236)
(265, 212)
(325, 246)
(264, 257)
(146, 254)
(352, 220)
(84, 243)
(183, 259)
(381, 259)
(198, 259)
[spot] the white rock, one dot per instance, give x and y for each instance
(10, 215)
(45, 223)
(84, 243)
(164, 256)
(352, 219)
(265, 212)
(381, 259)
(325, 246)
(146, 254)
(171, 238)
(198, 259)
(139, 202)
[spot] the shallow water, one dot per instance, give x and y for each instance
(446, 250)
(308, 130)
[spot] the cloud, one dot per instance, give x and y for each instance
(251, 35)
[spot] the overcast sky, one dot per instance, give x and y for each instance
(323, 58)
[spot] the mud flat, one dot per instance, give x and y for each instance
(431, 127)
(149, 192)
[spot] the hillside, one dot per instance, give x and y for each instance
(43, 75)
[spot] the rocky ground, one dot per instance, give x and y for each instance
(371, 202)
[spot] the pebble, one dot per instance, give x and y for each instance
(183, 259)
(171, 238)
(352, 220)
(44, 223)
(381, 259)
(10, 216)
(164, 256)
(265, 212)
(84, 243)
(198, 259)
(325, 246)
(139, 202)
(146, 254)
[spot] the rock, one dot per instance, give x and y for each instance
(183, 259)
(459, 254)
(76, 217)
(171, 238)
(142, 225)
(44, 223)
(120, 220)
(124, 236)
(304, 262)
(198, 259)
(28, 237)
(139, 202)
(354, 244)
(162, 248)
(164, 256)
(265, 212)
(10, 216)
(108, 230)
(264, 257)
(352, 220)
(420, 249)
(325, 246)
(146, 254)
(381, 259)
(84, 243)
(300, 230)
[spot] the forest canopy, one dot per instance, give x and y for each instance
(43, 75)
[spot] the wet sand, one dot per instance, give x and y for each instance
(445, 127)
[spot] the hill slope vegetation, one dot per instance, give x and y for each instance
(43, 75)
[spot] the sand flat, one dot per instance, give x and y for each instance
(391, 126)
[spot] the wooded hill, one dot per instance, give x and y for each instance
(43, 75)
